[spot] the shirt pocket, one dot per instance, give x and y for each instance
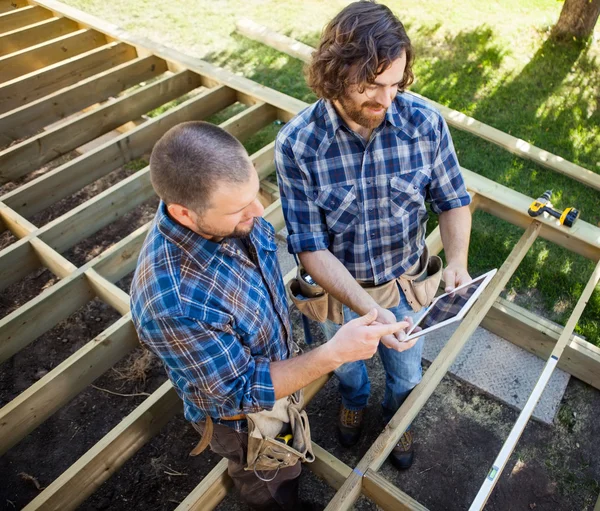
(407, 194)
(340, 206)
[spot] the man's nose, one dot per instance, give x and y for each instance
(384, 97)
(259, 209)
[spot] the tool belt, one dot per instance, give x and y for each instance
(265, 451)
(419, 285)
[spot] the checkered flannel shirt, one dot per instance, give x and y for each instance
(365, 201)
(214, 317)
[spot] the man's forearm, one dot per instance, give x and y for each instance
(333, 276)
(455, 229)
(292, 374)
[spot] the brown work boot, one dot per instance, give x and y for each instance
(349, 426)
(403, 454)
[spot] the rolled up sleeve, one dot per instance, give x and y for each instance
(447, 189)
(211, 368)
(304, 220)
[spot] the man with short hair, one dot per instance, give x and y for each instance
(208, 298)
(356, 170)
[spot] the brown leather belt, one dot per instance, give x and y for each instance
(238, 417)
(207, 434)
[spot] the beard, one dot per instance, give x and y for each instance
(361, 115)
(214, 232)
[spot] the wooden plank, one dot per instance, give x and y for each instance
(16, 261)
(287, 106)
(583, 238)
(11, 5)
(538, 336)
(328, 467)
(21, 91)
(26, 120)
(264, 160)
(15, 223)
(103, 209)
(517, 430)
(108, 292)
(387, 496)
(17, 18)
(247, 123)
(57, 302)
(33, 406)
(39, 315)
(70, 177)
(22, 158)
(597, 506)
(380, 449)
(37, 33)
(454, 118)
(83, 477)
(51, 259)
(50, 52)
(210, 492)
(274, 215)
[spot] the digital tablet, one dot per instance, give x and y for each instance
(450, 307)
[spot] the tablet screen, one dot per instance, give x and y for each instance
(448, 306)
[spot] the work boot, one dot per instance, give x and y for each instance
(349, 426)
(403, 454)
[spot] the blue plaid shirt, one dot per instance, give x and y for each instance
(214, 317)
(365, 201)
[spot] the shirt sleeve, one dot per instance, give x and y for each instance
(307, 231)
(447, 189)
(214, 370)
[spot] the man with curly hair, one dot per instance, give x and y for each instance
(356, 170)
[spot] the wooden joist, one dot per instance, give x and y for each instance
(50, 52)
(18, 18)
(37, 33)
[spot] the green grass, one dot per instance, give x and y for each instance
(491, 60)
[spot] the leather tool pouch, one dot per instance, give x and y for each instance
(265, 452)
(421, 284)
(311, 300)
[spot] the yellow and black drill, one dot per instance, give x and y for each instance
(542, 204)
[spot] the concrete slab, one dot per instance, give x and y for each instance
(488, 362)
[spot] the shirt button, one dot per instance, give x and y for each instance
(372, 235)
(368, 181)
(371, 210)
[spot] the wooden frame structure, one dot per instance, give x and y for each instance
(62, 62)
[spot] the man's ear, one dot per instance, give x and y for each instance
(183, 215)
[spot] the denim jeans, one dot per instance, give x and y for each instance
(402, 369)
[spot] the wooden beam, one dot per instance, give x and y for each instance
(248, 122)
(454, 118)
(387, 496)
(11, 5)
(17, 18)
(264, 160)
(37, 33)
(27, 119)
(538, 336)
(380, 449)
(515, 434)
(33, 406)
(59, 301)
(287, 106)
(274, 215)
(583, 238)
(70, 177)
(17, 256)
(50, 52)
(210, 492)
(83, 477)
(21, 91)
(22, 158)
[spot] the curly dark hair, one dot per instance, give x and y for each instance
(361, 42)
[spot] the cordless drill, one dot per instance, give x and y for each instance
(542, 204)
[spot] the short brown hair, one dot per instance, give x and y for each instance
(361, 42)
(191, 159)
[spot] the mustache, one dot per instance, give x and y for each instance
(372, 104)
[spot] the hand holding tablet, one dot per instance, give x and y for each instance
(450, 307)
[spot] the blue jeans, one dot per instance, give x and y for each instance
(402, 369)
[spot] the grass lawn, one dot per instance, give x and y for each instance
(491, 60)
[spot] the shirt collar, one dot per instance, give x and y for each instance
(202, 250)
(333, 121)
